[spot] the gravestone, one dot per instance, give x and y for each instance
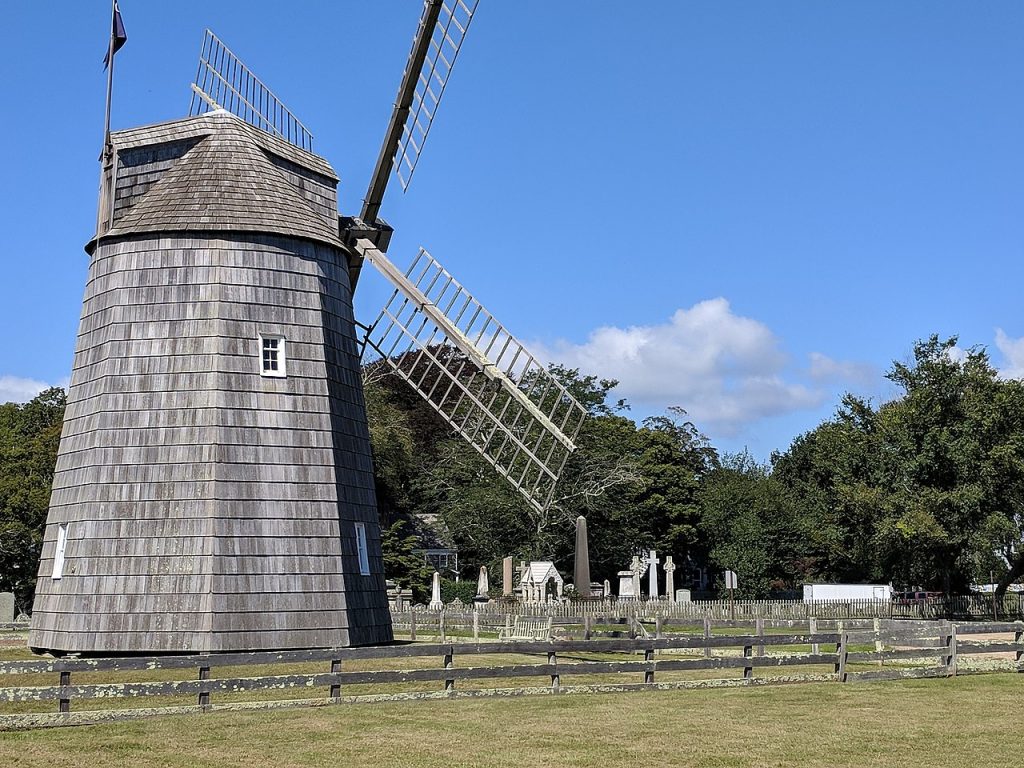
(682, 595)
(581, 565)
(435, 593)
(6, 607)
(670, 581)
(398, 599)
(652, 565)
(637, 568)
(482, 586)
(626, 588)
(507, 586)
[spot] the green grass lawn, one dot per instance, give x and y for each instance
(957, 722)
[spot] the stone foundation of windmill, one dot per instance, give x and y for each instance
(214, 486)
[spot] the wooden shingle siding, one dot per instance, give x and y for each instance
(210, 508)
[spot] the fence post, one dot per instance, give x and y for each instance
(879, 647)
(335, 687)
(64, 705)
(476, 627)
(707, 636)
(412, 626)
(759, 629)
(812, 627)
(1018, 638)
(441, 624)
(586, 627)
(748, 670)
(555, 680)
(649, 672)
(657, 627)
(842, 649)
(204, 696)
(951, 658)
(449, 662)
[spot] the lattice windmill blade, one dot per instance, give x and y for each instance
(475, 374)
(439, 37)
(224, 82)
(445, 44)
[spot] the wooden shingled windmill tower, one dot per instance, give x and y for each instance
(214, 486)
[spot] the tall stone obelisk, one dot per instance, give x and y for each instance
(581, 567)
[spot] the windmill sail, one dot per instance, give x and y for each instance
(445, 44)
(439, 37)
(475, 374)
(224, 82)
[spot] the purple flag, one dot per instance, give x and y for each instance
(117, 35)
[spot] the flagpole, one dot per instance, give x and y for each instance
(105, 214)
(110, 76)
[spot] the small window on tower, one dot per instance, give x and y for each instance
(58, 555)
(272, 356)
(364, 559)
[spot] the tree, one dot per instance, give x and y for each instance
(924, 489)
(29, 438)
(750, 525)
(403, 560)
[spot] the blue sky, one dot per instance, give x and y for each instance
(744, 209)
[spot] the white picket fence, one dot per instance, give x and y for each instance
(962, 607)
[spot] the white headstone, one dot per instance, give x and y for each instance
(482, 586)
(682, 595)
(652, 565)
(506, 577)
(626, 584)
(637, 568)
(670, 578)
(435, 593)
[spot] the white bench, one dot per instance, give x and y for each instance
(527, 628)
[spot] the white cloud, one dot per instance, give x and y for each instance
(957, 354)
(824, 369)
(727, 371)
(1013, 355)
(18, 390)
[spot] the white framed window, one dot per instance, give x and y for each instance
(58, 554)
(364, 558)
(273, 358)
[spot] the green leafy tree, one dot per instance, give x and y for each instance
(927, 489)
(29, 437)
(750, 524)
(403, 560)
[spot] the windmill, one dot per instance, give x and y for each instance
(214, 485)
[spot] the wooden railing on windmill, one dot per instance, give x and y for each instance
(224, 82)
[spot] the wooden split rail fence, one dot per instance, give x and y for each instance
(919, 650)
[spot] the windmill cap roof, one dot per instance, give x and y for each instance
(223, 177)
(207, 123)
